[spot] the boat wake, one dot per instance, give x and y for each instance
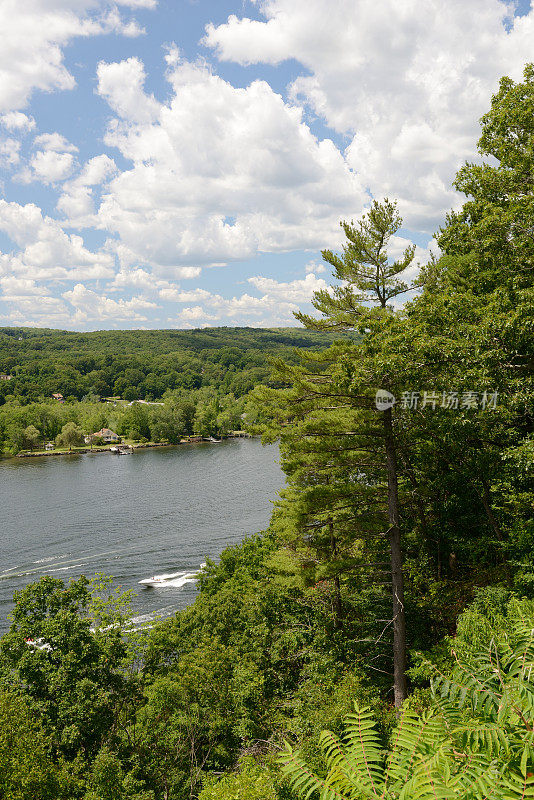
(145, 622)
(58, 563)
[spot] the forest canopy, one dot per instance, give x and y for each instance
(143, 364)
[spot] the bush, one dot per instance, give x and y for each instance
(251, 782)
(476, 741)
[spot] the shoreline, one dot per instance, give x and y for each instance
(138, 446)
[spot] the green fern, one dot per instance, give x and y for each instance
(475, 743)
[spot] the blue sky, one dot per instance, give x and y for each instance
(172, 163)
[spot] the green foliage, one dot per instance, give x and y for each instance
(188, 382)
(58, 654)
(251, 782)
(71, 436)
(26, 769)
(252, 657)
(107, 781)
(140, 364)
(31, 437)
(475, 742)
(366, 273)
(106, 778)
(495, 222)
(340, 513)
(292, 626)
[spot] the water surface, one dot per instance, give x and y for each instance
(159, 511)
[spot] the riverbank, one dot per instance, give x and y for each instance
(78, 451)
(133, 445)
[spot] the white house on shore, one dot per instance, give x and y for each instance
(104, 433)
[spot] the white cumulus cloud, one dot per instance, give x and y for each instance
(55, 142)
(48, 167)
(17, 121)
(52, 163)
(90, 307)
(276, 304)
(46, 251)
(9, 152)
(314, 266)
(77, 199)
(218, 173)
(35, 33)
(122, 85)
(406, 81)
(297, 291)
(24, 302)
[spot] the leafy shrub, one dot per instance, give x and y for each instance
(476, 742)
(251, 782)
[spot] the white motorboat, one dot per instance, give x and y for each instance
(156, 580)
(172, 580)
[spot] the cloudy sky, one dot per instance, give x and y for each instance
(181, 163)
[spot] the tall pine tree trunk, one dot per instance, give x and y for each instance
(338, 607)
(399, 622)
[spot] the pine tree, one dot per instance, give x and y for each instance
(367, 275)
(341, 500)
(329, 517)
(369, 280)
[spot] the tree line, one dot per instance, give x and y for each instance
(204, 412)
(200, 378)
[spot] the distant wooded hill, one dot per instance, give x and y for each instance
(137, 364)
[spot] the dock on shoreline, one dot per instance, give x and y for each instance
(133, 445)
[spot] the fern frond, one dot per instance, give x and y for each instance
(361, 737)
(358, 763)
(302, 779)
(517, 787)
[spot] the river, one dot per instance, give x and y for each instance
(158, 511)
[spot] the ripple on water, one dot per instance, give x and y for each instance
(161, 512)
